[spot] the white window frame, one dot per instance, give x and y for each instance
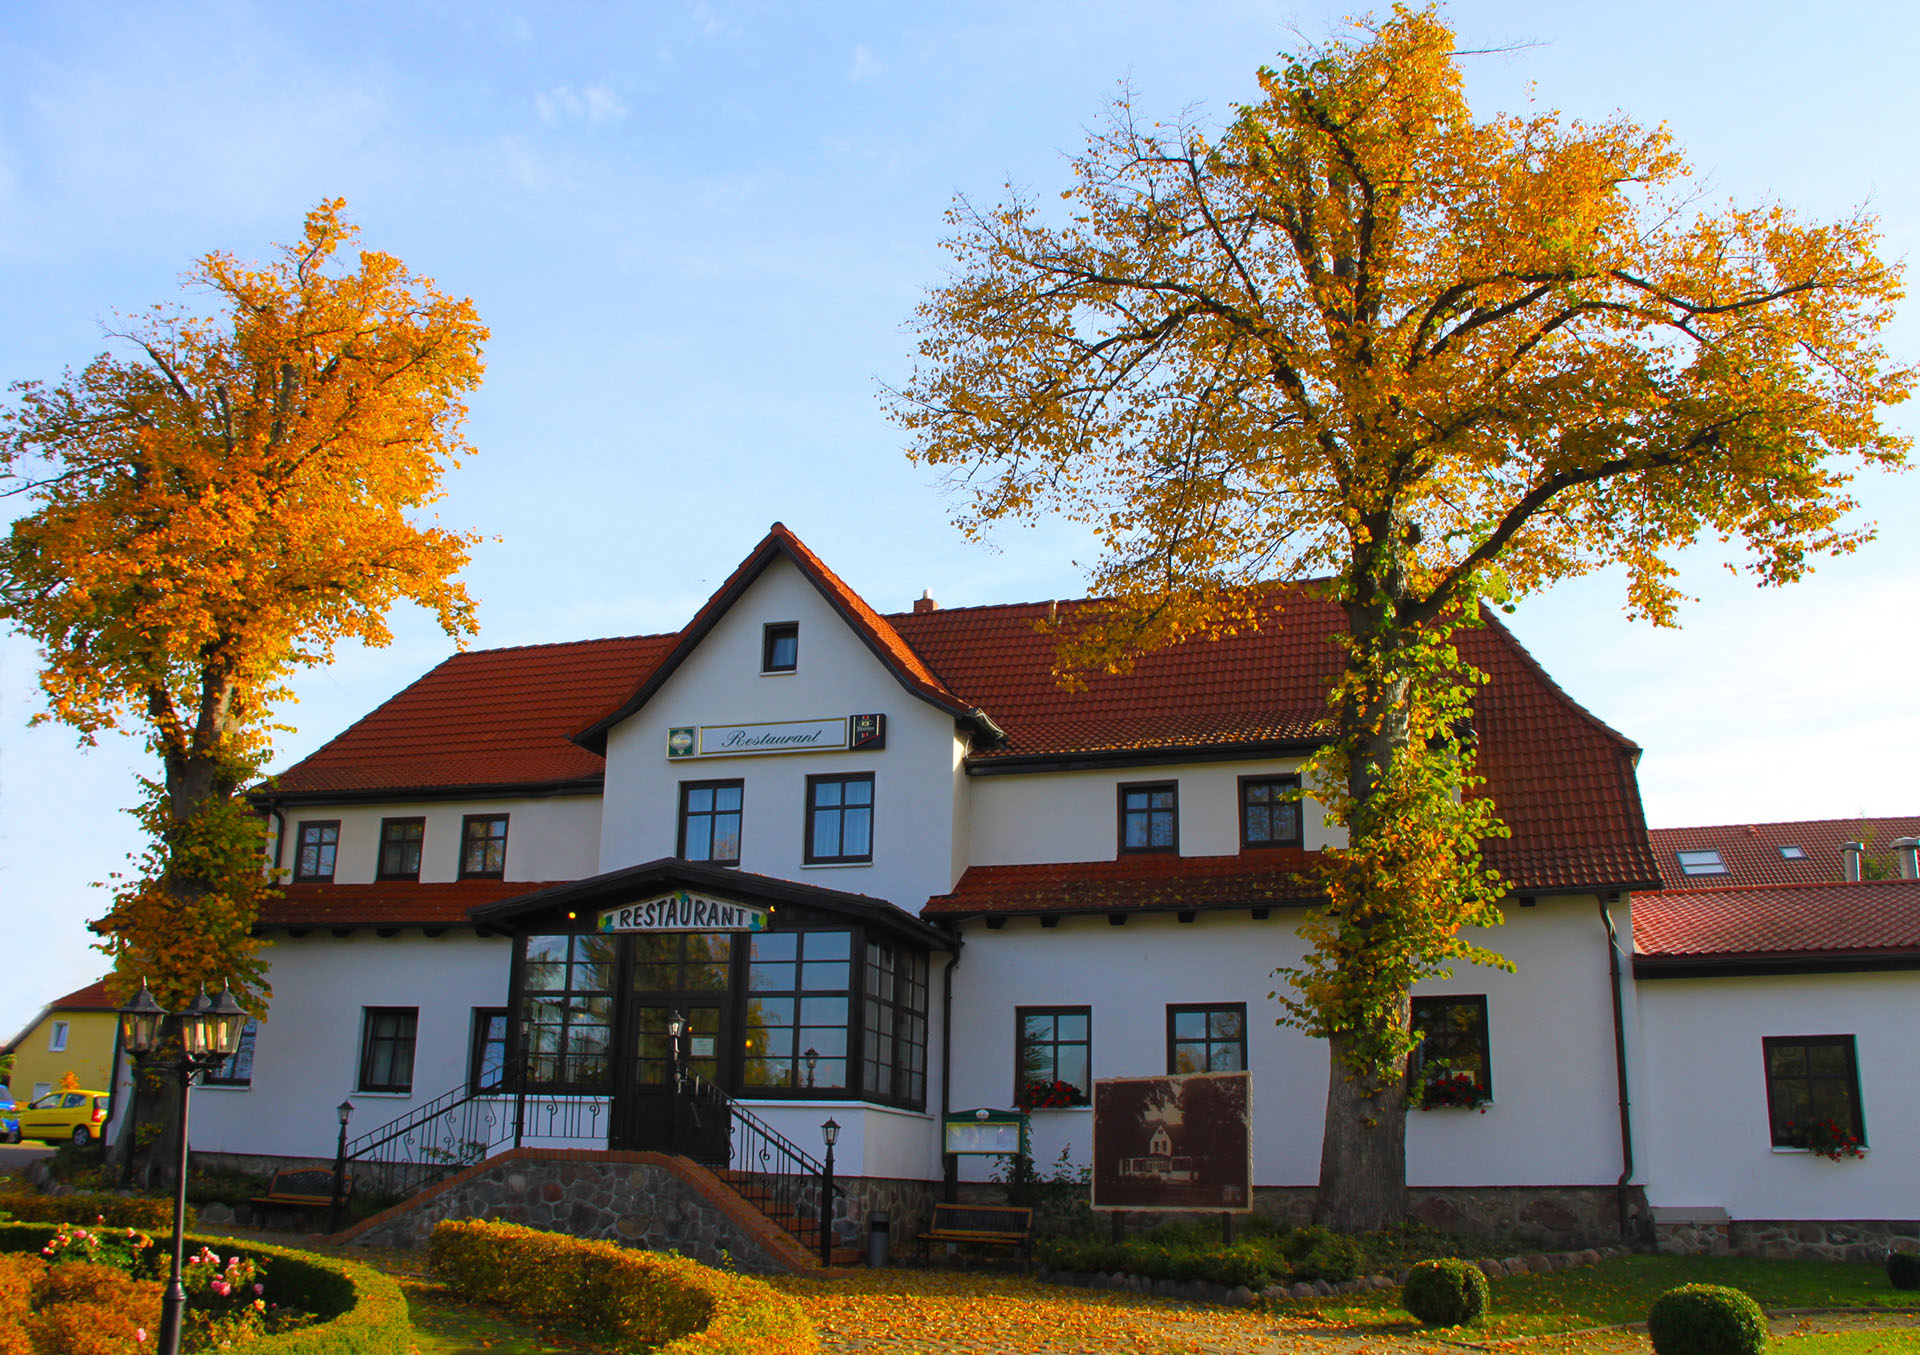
(57, 1038)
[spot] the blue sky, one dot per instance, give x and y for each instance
(697, 230)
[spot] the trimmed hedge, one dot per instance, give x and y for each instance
(1312, 1253)
(88, 1207)
(1706, 1319)
(1446, 1292)
(647, 1301)
(362, 1312)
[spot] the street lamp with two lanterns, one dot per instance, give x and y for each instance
(203, 1036)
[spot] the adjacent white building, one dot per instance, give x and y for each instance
(886, 868)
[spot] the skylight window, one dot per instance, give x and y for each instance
(1793, 853)
(1701, 863)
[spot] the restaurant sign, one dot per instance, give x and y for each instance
(682, 911)
(783, 736)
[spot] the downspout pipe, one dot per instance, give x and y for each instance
(1619, 1066)
(948, 1165)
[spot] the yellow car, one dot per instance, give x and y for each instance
(76, 1115)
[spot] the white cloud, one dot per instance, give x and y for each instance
(593, 104)
(865, 66)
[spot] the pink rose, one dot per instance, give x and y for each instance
(140, 1333)
(259, 1289)
(221, 1287)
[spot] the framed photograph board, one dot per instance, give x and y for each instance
(1174, 1143)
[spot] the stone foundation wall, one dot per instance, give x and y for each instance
(1794, 1238)
(1548, 1218)
(634, 1202)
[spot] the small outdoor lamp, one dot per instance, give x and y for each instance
(811, 1057)
(140, 1023)
(830, 1131)
(676, 1026)
(194, 1025)
(334, 1205)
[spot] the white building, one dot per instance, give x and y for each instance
(887, 868)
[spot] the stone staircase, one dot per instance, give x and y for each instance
(764, 1195)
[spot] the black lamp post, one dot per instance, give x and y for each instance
(676, 1031)
(203, 1036)
(810, 1058)
(345, 1111)
(830, 1131)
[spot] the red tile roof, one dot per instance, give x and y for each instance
(1751, 851)
(1880, 917)
(390, 904)
(1563, 781)
(1131, 884)
(92, 998)
(494, 717)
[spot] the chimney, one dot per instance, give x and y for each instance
(1906, 850)
(1850, 853)
(925, 602)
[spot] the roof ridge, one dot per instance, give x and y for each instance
(1775, 888)
(1871, 820)
(1505, 631)
(558, 644)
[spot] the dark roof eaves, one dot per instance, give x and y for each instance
(1003, 764)
(1764, 963)
(576, 785)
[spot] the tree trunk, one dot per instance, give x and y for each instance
(1363, 1152)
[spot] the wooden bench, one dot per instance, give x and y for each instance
(302, 1188)
(994, 1225)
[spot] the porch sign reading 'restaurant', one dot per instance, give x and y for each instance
(684, 912)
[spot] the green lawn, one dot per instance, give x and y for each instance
(1621, 1290)
(444, 1325)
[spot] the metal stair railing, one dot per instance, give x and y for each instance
(765, 1168)
(460, 1127)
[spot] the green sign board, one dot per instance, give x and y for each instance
(985, 1131)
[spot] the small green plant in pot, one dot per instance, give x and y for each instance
(1447, 1292)
(1903, 1269)
(1706, 1319)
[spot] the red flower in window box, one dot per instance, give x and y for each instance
(1445, 1089)
(1826, 1137)
(1049, 1095)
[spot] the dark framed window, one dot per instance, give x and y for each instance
(1707, 861)
(483, 846)
(386, 1048)
(1209, 1038)
(894, 1033)
(236, 1070)
(1150, 817)
(710, 821)
(1812, 1078)
(566, 1012)
(400, 843)
(780, 647)
(799, 991)
(319, 844)
(1269, 816)
(839, 818)
(487, 1059)
(1053, 1056)
(1453, 1042)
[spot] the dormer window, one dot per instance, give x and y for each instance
(1701, 863)
(780, 647)
(1791, 853)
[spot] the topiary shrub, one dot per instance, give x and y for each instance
(1706, 1319)
(1448, 1292)
(115, 1211)
(649, 1301)
(1903, 1269)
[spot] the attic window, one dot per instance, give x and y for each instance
(780, 647)
(1793, 853)
(1701, 863)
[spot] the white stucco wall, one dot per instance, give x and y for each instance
(554, 837)
(307, 1052)
(1554, 1119)
(1704, 1119)
(1033, 817)
(837, 675)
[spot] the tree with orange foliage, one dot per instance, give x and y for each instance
(1360, 336)
(218, 507)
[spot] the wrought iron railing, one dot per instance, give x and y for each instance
(766, 1168)
(459, 1128)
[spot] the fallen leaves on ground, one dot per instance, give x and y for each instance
(948, 1313)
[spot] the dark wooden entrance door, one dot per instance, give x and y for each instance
(689, 973)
